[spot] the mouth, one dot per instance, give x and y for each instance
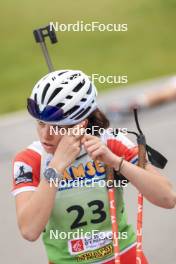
(47, 145)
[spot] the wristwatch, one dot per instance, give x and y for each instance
(51, 173)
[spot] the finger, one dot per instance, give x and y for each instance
(96, 154)
(89, 136)
(77, 132)
(79, 129)
(93, 148)
(91, 142)
(83, 140)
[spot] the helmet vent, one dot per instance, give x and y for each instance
(59, 74)
(83, 113)
(69, 97)
(90, 89)
(59, 105)
(56, 91)
(79, 86)
(35, 97)
(74, 76)
(64, 82)
(83, 100)
(45, 91)
(72, 110)
(79, 112)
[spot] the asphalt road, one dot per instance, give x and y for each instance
(159, 124)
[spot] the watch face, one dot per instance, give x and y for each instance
(50, 173)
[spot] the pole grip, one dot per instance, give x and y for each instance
(141, 151)
(41, 33)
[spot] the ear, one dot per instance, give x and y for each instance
(86, 122)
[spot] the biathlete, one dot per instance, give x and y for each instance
(74, 219)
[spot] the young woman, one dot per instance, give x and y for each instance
(74, 218)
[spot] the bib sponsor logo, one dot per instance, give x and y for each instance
(77, 246)
(91, 242)
(22, 173)
(97, 254)
(78, 176)
(83, 173)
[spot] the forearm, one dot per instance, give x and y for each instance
(150, 183)
(34, 215)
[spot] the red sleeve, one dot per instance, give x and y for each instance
(122, 148)
(26, 171)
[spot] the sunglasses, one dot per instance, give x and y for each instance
(49, 114)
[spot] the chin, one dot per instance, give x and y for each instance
(50, 150)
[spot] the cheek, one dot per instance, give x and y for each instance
(57, 139)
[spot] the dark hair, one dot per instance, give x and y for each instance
(97, 119)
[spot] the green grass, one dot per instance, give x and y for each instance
(146, 51)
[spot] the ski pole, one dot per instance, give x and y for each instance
(112, 205)
(40, 34)
(111, 196)
(141, 163)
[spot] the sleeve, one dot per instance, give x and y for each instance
(122, 147)
(26, 171)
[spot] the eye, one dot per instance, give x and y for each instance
(40, 123)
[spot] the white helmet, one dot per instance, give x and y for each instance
(69, 91)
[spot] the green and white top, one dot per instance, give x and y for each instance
(79, 228)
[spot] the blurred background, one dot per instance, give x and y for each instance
(146, 53)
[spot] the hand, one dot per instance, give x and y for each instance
(68, 149)
(97, 150)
